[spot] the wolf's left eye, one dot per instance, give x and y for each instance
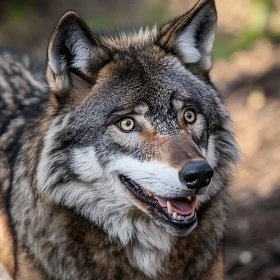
(126, 124)
(189, 115)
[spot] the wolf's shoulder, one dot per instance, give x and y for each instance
(23, 93)
(22, 81)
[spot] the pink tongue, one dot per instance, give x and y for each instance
(180, 205)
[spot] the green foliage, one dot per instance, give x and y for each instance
(151, 13)
(156, 12)
(257, 29)
(103, 22)
(17, 9)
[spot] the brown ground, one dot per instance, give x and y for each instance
(250, 83)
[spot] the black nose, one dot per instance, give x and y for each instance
(196, 174)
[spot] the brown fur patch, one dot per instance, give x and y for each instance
(173, 151)
(183, 149)
(6, 244)
(27, 269)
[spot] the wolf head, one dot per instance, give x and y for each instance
(138, 138)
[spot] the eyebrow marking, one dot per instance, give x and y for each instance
(142, 108)
(180, 100)
(177, 103)
(139, 109)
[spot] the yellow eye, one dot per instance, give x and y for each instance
(127, 124)
(189, 116)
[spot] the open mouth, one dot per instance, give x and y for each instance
(179, 212)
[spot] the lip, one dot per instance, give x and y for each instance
(160, 212)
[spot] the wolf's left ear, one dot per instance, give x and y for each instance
(74, 55)
(191, 36)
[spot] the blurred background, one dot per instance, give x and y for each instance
(246, 71)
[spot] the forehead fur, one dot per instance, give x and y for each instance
(125, 40)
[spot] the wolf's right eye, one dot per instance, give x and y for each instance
(126, 124)
(189, 115)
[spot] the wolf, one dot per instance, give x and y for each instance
(116, 163)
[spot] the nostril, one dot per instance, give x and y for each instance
(191, 178)
(209, 174)
(207, 182)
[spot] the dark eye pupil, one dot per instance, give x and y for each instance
(128, 123)
(189, 115)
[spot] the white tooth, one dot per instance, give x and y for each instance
(187, 217)
(175, 215)
(179, 217)
(189, 198)
(169, 208)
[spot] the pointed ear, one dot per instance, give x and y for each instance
(74, 55)
(191, 36)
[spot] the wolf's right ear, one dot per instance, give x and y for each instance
(74, 55)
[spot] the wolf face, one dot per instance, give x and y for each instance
(137, 136)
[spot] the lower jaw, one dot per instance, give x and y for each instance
(177, 227)
(178, 230)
